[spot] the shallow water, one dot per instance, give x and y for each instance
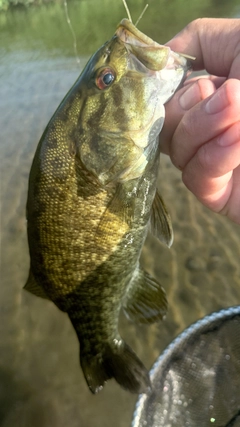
(41, 383)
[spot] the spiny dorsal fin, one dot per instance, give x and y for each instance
(161, 225)
(145, 300)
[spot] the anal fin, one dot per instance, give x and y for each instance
(145, 301)
(33, 287)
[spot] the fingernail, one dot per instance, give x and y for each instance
(191, 97)
(217, 102)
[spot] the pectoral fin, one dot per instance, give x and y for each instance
(145, 301)
(117, 217)
(161, 225)
(33, 287)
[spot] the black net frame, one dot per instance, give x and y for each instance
(196, 380)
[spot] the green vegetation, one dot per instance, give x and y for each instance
(5, 4)
(45, 28)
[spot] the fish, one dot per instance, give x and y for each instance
(92, 197)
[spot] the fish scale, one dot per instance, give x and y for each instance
(92, 195)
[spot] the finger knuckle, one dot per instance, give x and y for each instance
(187, 127)
(204, 159)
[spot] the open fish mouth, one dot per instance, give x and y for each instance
(147, 57)
(154, 56)
(128, 33)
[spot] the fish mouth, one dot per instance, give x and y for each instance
(152, 55)
(128, 33)
(164, 69)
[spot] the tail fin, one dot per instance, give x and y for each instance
(117, 361)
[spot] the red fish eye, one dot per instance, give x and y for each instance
(105, 78)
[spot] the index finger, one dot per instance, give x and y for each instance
(214, 42)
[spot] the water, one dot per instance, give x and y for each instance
(41, 383)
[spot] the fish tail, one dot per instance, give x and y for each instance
(115, 361)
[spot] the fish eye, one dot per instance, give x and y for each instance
(105, 78)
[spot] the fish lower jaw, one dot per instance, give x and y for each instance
(128, 33)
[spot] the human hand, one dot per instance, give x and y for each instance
(202, 127)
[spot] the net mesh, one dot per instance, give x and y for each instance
(196, 381)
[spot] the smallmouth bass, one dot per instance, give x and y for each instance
(92, 196)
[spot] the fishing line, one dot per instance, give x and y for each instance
(127, 10)
(72, 31)
(140, 17)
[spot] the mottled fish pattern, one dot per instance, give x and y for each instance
(92, 197)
